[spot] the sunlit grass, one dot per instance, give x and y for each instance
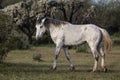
(19, 65)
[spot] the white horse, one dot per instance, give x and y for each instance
(64, 34)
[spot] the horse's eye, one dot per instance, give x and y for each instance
(41, 26)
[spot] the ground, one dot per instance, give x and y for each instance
(19, 65)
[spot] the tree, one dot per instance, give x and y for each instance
(1, 4)
(68, 9)
(107, 15)
(24, 19)
(73, 11)
(114, 16)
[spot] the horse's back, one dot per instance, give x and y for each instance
(91, 30)
(77, 34)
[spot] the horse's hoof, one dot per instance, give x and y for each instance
(72, 68)
(105, 70)
(53, 68)
(94, 70)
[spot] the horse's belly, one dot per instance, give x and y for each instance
(73, 40)
(73, 36)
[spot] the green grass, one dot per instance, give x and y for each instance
(19, 65)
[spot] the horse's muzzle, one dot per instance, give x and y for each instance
(38, 37)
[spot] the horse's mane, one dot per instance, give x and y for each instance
(50, 21)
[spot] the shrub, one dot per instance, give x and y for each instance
(5, 29)
(9, 2)
(116, 38)
(19, 43)
(82, 48)
(9, 37)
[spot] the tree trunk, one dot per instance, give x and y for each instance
(30, 39)
(64, 13)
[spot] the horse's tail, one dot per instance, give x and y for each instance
(107, 40)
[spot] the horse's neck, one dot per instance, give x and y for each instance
(55, 32)
(72, 27)
(53, 29)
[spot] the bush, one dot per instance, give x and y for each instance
(9, 2)
(9, 37)
(19, 39)
(82, 48)
(19, 43)
(46, 39)
(116, 38)
(5, 30)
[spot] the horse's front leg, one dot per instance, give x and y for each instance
(57, 52)
(59, 45)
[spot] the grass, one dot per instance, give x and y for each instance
(19, 65)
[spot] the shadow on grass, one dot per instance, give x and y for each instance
(22, 67)
(45, 68)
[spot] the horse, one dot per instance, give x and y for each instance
(65, 34)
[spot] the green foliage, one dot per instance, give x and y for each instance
(116, 38)
(5, 30)
(116, 35)
(9, 2)
(19, 43)
(9, 38)
(108, 16)
(46, 39)
(82, 48)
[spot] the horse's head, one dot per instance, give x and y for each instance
(40, 27)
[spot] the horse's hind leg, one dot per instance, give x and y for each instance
(95, 53)
(96, 58)
(68, 58)
(103, 60)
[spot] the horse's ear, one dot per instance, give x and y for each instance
(43, 20)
